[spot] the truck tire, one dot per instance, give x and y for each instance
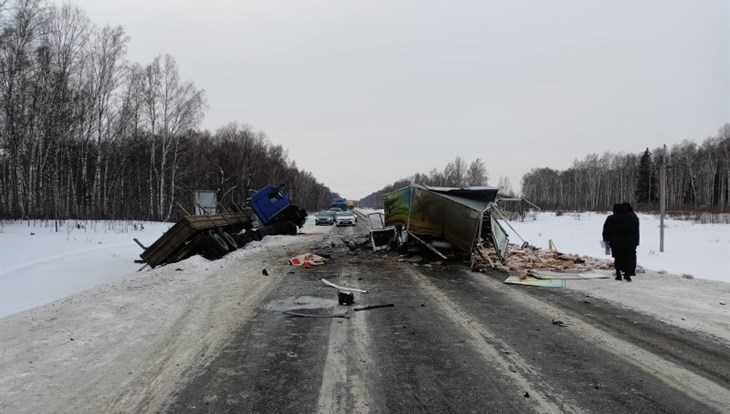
(230, 241)
(215, 247)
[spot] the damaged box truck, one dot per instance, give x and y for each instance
(463, 217)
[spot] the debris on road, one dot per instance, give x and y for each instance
(328, 283)
(533, 281)
(522, 260)
(345, 298)
(265, 272)
(414, 259)
(569, 274)
(307, 260)
(369, 307)
(355, 243)
(317, 315)
(560, 323)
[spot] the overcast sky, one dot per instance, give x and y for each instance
(362, 93)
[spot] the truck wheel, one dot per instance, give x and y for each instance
(215, 247)
(230, 241)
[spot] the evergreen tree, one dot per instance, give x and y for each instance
(646, 180)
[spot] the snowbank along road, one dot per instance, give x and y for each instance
(202, 336)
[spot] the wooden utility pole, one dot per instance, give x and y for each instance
(662, 195)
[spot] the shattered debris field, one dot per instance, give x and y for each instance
(253, 333)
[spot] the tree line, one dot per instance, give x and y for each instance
(86, 134)
(457, 173)
(698, 179)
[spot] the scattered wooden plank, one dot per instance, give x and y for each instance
(328, 283)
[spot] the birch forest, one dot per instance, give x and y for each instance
(84, 133)
(698, 179)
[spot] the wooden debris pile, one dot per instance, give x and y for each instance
(521, 259)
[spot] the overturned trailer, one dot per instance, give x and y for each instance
(210, 235)
(465, 217)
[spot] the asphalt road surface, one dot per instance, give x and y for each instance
(454, 341)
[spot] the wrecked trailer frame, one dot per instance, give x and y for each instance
(188, 233)
(217, 234)
(462, 216)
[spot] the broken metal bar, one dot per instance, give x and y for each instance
(139, 243)
(328, 283)
(389, 305)
(179, 206)
(315, 315)
(441, 255)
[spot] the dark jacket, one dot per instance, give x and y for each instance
(621, 229)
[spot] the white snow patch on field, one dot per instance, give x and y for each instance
(39, 264)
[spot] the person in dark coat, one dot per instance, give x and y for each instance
(621, 232)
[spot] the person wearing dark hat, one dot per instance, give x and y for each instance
(621, 233)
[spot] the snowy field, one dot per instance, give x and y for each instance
(39, 264)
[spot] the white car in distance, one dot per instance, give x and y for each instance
(345, 218)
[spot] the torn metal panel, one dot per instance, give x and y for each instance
(381, 239)
(380, 236)
(499, 238)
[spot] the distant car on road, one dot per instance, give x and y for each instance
(325, 218)
(345, 218)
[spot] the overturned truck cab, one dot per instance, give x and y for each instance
(464, 217)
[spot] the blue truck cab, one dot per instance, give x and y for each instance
(339, 202)
(271, 205)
